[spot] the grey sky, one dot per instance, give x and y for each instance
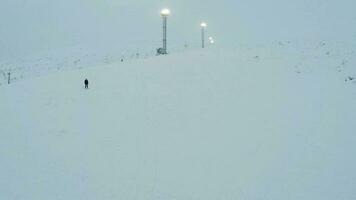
(28, 26)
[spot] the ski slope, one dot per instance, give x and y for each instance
(240, 123)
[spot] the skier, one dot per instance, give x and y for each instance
(86, 82)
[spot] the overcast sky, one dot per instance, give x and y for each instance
(28, 26)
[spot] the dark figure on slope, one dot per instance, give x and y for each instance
(86, 82)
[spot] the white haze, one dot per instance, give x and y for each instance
(28, 27)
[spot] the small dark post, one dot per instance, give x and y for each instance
(8, 80)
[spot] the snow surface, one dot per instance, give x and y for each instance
(244, 123)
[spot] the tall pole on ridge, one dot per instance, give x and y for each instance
(203, 26)
(165, 13)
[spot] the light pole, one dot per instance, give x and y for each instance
(165, 13)
(211, 39)
(203, 26)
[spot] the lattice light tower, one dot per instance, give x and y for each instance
(203, 25)
(165, 13)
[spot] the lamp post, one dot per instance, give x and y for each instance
(211, 40)
(203, 26)
(165, 13)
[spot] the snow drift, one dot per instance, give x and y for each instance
(213, 124)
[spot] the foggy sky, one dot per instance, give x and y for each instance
(28, 26)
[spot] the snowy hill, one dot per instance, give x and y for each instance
(244, 123)
(76, 57)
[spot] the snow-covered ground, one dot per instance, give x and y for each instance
(241, 123)
(77, 57)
